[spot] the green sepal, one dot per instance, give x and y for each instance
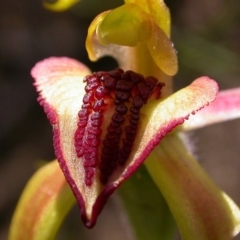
(147, 210)
(43, 205)
(201, 210)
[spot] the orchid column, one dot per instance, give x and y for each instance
(138, 41)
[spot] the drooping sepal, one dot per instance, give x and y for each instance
(43, 205)
(201, 210)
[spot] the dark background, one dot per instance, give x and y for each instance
(206, 35)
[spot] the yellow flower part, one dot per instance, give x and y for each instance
(59, 5)
(112, 32)
(158, 10)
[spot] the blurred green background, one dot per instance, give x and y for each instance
(206, 35)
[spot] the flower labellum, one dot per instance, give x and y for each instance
(105, 124)
(114, 98)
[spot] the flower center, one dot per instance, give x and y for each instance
(108, 119)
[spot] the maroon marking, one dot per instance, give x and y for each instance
(127, 92)
(98, 105)
(109, 82)
(124, 86)
(122, 96)
(144, 91)
(121, 109)
(96, 115)
(138, 102)
(118, 118)
(132, 76)
(151, 82)
(101, 92)
(116, 73)
(91, 86)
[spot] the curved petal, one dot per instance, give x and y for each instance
(94, 48)
(202, 211)
(120, 28)
(225, 107)
(59, 5)
(60, 81)
(61, 96)
(61, 87)
(161, 116)
(43, 205)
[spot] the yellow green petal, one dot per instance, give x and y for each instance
(92, 45)
(201, 210)
(43, 205)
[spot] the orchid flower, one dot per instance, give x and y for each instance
(106, 124)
